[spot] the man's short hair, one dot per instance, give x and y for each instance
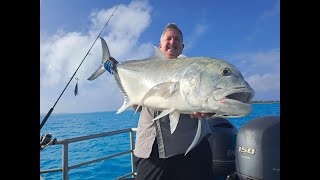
(172, 26)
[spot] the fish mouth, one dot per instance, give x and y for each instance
(233, 102)
(243, 97)
(238, 94)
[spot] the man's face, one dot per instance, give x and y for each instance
(171, 44)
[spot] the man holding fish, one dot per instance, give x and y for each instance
(161, 155)
(176, 95)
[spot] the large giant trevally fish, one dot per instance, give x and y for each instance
(182, 85)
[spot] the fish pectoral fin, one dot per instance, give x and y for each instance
(174, 120)
(163, 113)
(164, 90)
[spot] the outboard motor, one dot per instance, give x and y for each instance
(223, 142)
(258, 150)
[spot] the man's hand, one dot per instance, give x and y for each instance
(198, 114)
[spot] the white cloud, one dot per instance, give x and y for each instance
(261, 70)
(264, 82)
(262, 62)
(61, 55)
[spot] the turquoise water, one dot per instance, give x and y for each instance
(63, 126)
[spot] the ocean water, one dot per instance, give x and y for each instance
(63, 126)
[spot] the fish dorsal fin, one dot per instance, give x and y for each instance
(158, 54)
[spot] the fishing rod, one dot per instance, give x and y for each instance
(51, 109)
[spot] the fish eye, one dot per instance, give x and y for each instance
(225, 71)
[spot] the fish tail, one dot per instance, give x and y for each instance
(108, 63)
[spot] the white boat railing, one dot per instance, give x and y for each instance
(65, 144)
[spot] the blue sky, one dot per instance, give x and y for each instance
(245, 33)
